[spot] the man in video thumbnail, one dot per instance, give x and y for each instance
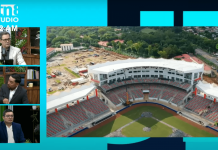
(9, 52)
(13, 93)
(10, 132)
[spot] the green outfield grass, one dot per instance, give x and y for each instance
(157, 129)
(156, 126)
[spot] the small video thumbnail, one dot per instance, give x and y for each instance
(20, 46)
(19, 124)
(19, 85)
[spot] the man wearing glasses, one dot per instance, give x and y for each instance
(9, 52)
(10, 132)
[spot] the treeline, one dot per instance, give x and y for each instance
(165, 42)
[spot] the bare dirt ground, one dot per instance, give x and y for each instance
(210, 80)
(78, 59)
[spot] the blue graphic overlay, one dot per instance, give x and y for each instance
(98, 13)
(152, 143)
(121, 140)
(127, 13)
(156, 18)
(56, 13)
(200, 18)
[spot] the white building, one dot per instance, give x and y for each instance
(66, 47)
(171, 69)
(209, 89)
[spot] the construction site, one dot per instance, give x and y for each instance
(59, 75)
(69, 70)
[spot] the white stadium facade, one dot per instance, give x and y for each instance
(169, 81)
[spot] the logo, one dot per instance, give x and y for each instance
(7, 9)
(9, 13)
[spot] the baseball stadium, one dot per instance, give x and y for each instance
(137, 98)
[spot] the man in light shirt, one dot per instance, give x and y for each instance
(10, 51)
(10, 132)
(13, 93)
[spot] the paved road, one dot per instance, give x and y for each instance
(207, 56)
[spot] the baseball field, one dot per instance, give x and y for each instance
(130, 124)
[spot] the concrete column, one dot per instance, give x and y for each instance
(202, 76)
(192, 79)
(141, 72)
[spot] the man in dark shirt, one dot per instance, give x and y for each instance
(13, 93)
(10, 132)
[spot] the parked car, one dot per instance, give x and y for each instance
(49, 76)
(95, 55)
(53, 75)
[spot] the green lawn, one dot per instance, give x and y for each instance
(48, 71)
(147, 30)
(157, 129)
(73, 73)
(51, 92)
(110, 127)
(157, 113)
(58, 81)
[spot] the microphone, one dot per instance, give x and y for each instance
(4, 52)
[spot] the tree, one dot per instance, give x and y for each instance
(137, 46)
(129, 45)
(217, 46)
(102, 31)
(57, 44)
(93, 36)
(75, 44)
(53, 30)
(114, 44)
(63, 31)
(149, 50)
(58, 39)
(71, 34)
(51, 35)
(163, 54)
(87, 39)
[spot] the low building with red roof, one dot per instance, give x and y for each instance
(50, 51)
(121, 41)
(103, 43)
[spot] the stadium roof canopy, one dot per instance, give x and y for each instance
(179, 65)
(208, 89)
(64, 98)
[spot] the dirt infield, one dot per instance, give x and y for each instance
(138, 105)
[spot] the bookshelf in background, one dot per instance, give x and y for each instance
(1, 76)
(27, 41)
(32, 92)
